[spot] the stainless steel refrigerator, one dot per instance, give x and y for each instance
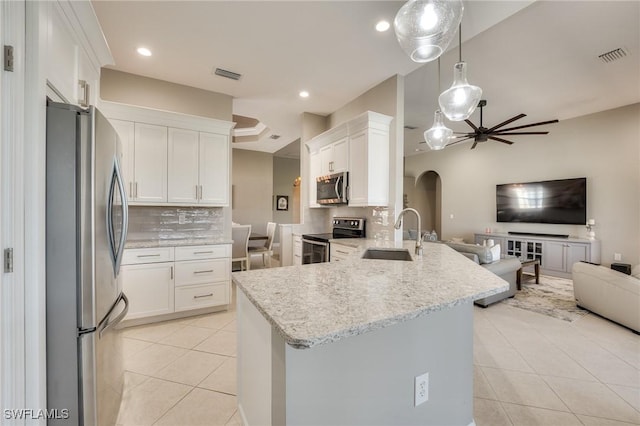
(86, 228)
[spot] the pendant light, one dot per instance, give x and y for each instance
(460, 100)
(439, 135)
(424, 28)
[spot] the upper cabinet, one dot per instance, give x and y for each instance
(359, 147)
(172, 158)
(76, 50)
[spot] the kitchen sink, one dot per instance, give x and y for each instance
(387, 254)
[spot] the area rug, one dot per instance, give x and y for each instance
(552, 297)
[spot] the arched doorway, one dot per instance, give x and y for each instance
(426, 197)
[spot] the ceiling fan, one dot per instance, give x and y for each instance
(482, 134)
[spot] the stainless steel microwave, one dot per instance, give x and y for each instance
(332, 189)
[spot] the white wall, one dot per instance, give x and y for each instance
(252, 189)
(603, 147)
(285, 171)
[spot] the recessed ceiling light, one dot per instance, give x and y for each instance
(144, 51)
(304, 94)
(382, 26)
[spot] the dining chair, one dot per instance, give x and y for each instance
(240, 249)
(267, 249)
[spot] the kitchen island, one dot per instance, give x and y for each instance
(342, 343)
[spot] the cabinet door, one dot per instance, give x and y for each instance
(553, 257)
(125, 130)
(149, 288)
(340, 156)
(358, 171)
(575, 253)
(182, 186)
(326, 157)
(150, 163)
(297, 250)
(62, 55)
(214, 169)
(314, 171)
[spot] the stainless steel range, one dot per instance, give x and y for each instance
(315, 247)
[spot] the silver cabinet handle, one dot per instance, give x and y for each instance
(136, 189)
(200, 192)
(197, 196)
(131, 189)
(84, 87)
(202, 252)
(148, 255)
(204, 272)
(172, 272)
(343, 252)
(203, 295)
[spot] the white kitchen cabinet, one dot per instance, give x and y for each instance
(126, 132)
(150, 163)
(334, 158)
(183, 180)
(297, 250)
(369, 161)
(214, 169)
(198, 168)
(76, 50)
(149, 288)
(147, 280)
(171, 165)
(166, 280)
(340, 252)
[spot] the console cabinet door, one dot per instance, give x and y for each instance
(214, 169)
(576, 253)
(149, 288)
(150, 163)
(183, 166)
(554, 256)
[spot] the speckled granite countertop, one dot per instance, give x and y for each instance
(315, 304)
(174, 243)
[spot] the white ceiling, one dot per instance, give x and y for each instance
(541, 61)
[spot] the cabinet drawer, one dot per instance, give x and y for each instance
(202, 271)
(147, 255)
(203, 252)
(200, 296)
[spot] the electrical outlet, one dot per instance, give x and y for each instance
(617, 256)
(421, 389)
(182, 218)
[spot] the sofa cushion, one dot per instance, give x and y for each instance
(485, 254)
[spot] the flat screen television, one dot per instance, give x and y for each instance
(561, 201)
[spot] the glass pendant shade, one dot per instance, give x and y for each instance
(424, 28)
(438, 136)
(459, 101)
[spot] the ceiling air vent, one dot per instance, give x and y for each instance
(228, 74)
(274, 137)
(613, 55)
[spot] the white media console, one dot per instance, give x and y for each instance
(556, 254)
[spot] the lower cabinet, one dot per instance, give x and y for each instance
(560, 257)
(340, 252)
(165, 280)
(297, 250)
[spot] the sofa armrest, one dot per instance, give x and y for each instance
(471, 256)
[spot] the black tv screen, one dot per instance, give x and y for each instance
(553, 201)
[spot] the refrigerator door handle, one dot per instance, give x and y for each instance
(109, 323)
(117, 250)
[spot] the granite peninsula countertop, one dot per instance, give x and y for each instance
(176, 242)
(310, 305)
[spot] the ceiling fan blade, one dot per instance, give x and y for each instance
(500, 140)
(474, 144)
(473, 126)
(530, 125)
(520, 133)
(458, 141)
(504, 123)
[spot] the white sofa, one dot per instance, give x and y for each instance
(608, 293)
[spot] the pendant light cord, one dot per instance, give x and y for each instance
(460, 42)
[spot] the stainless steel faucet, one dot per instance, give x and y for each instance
(419, 237)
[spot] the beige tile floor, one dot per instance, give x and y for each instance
(530, 369)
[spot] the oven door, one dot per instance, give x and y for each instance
(314, 252)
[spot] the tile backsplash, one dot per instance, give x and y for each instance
(175, 223)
